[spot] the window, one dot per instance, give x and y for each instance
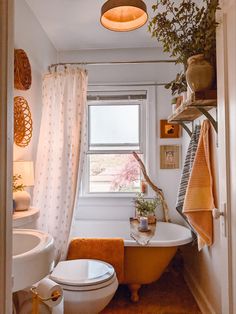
(115, 130)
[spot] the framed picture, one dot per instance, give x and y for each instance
(169, 130)
(169, 156)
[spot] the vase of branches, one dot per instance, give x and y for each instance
(159, 193)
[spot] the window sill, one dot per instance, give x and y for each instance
(108, 195)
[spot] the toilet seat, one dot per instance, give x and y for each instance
(83, 274)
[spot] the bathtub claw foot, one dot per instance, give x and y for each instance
(134, 288)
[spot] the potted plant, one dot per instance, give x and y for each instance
(178, 89)
(146, 207)
(16, 186)
(173, 103)
(21, 198)
(186, 29)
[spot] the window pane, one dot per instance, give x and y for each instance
(114, 173)
(113, 124)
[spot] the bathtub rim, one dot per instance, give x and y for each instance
(185, 238)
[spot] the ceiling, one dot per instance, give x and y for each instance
(75, 25)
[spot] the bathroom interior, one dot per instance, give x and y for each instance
(108, 120)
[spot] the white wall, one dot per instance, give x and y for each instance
(159, 73)
(116, 208)
(30, 37)
(168, 179)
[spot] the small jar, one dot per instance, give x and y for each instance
(143, 223)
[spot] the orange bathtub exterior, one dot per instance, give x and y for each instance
(144, 265)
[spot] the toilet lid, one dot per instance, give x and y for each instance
(82, 272)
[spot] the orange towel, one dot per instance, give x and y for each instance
(107, 250)
(199, 200)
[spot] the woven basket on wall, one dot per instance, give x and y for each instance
(22, 70)
(23, 123)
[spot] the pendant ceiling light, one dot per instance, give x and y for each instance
(123, 15)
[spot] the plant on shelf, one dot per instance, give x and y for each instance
(145, 207)
(186, 29)
(15, 185)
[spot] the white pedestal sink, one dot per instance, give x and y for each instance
(32, 257)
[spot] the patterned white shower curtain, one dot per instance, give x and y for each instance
(60, 152)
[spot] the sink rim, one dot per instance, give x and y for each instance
(36, 262)
(46, 241)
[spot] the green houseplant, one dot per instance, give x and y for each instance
(15, 185)
(178, 85)
(185, 29)
(21, 198)
(16, 188)
(146, 207)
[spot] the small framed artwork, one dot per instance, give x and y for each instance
(169, 156)
(169, 130)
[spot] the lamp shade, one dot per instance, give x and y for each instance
(123, 15)
(26, 170)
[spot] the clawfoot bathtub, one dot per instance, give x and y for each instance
(142, 264)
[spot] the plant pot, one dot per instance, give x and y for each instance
(199, 74)
(179, 101)
(151, 219)
(184, 96)
(22, 200)
(173, 106)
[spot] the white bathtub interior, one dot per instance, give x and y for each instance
(166, 234)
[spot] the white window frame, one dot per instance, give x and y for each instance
(147, 137)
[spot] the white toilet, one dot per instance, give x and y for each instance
(88, 285)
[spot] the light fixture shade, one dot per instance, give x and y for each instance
(123, 15)
(26, 170)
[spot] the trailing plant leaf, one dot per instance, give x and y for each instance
(178, 85)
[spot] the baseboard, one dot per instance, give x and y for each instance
(199, 295)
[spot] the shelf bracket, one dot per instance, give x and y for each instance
(209, 117)
(184, 126)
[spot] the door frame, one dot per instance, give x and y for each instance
(225, 174)
(6, 147)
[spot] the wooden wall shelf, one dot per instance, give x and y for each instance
(191, 110)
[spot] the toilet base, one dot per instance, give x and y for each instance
(88, 302)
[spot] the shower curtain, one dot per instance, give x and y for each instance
(60, 152)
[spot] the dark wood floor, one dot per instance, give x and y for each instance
(169, 295)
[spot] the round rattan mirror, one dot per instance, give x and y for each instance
(22, 122)
(22, 70)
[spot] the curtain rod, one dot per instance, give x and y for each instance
(110, 62)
